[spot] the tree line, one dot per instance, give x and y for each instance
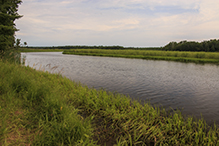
(98, 47)
(206, 46)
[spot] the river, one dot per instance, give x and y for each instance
(189, 87)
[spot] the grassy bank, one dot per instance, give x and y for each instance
(40, 50)
(12, 56)
(39, 108)
(197, 57)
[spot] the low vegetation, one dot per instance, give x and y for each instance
(40, 108)
(40, 50)
(32, 112)
(197, 57)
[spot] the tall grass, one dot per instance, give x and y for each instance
(39, 108)
(33, 113)
(198, 57)
(12, 56)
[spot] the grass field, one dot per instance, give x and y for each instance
(40, 50)
(197, 57)
(39, 108)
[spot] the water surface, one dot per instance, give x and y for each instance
(188, 86)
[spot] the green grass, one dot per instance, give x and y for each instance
(197, 57)
(33, 113)
(39, 108)
(12, 56)
(40, 50)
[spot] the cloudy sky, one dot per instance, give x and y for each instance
(134, 23)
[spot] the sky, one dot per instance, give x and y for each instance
(129, 23)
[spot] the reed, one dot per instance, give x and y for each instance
(12, 56)
(40, 108)
(197, 57)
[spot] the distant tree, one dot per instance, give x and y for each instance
(25, 44)
(170, 46)
(212, 49)
(18, 42)
(8, 14)
(212, 45)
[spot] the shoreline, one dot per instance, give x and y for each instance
(194, 57)
(49, 104)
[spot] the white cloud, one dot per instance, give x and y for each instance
(124, 22)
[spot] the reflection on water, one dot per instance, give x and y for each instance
(188, 86)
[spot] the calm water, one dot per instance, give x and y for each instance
(188, 86)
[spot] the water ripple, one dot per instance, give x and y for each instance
(188, 86)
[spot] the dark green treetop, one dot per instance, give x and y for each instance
(207, 46)
(8, 14)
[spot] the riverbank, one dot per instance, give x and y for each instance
(41, 108)
(196, 57)
(40, 50)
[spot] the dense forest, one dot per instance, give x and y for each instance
(206, 46)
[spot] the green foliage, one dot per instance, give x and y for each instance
(206, 46)
(8, 14)
(29, 49)
(12, 56)
(39, 108)
(197, 57)
(17, 43)
(33, 110)
(25, 43)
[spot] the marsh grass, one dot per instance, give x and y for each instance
(49, 68)
(40, 50)
(12, 56)
(39, 108)
(197, 57)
